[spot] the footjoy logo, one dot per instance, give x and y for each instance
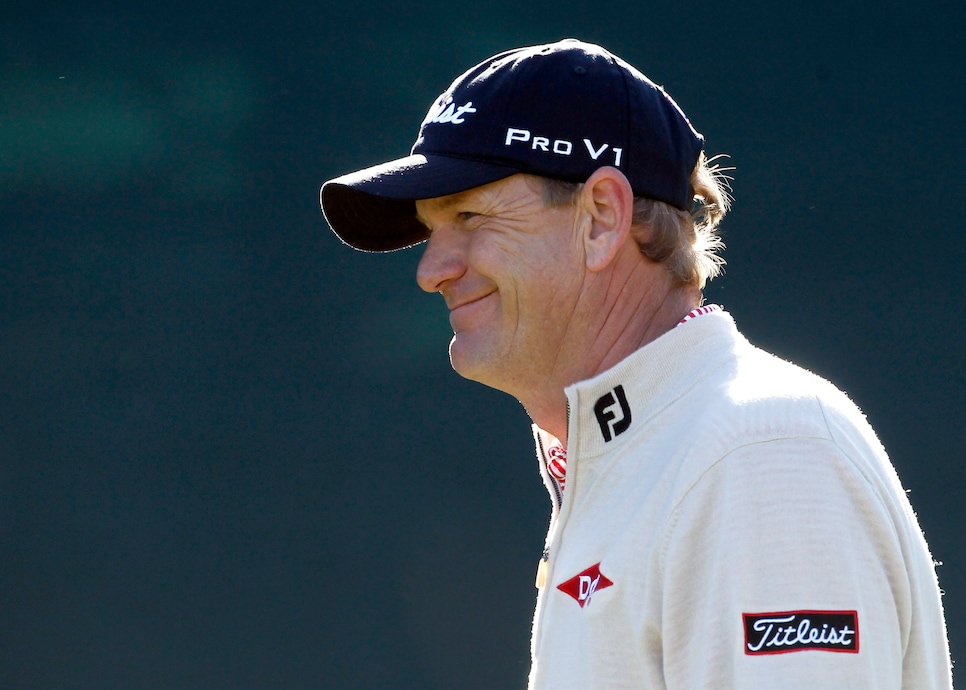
(582, 587)
(798, 631)
(610, 424)
(446, 111)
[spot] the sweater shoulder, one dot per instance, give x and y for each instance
(758, 398)
(797, 402)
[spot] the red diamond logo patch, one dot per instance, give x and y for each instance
(582, 586)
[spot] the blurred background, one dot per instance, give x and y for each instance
(232, 451)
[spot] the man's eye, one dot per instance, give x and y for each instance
(466, 215)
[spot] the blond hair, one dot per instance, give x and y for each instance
(686, 243)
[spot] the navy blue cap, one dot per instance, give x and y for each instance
(560, 110)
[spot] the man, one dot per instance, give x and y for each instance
(720, 518)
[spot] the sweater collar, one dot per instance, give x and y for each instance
(606, 411)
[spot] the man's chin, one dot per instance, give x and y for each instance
(469, 362)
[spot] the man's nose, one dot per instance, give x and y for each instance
(444, 259)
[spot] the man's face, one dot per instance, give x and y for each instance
(510, 269)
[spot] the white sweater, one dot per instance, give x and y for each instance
(741, 528)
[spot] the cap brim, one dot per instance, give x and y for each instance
(374, 210)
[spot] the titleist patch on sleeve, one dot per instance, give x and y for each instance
(798, 631)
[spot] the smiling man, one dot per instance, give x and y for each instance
(720, 518)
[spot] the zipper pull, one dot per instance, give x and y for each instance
(542, 569)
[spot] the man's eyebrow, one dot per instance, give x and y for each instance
(454, 199)
(447, 202)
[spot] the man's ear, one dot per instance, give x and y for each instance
(608, 199)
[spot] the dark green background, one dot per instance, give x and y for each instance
(232, 452)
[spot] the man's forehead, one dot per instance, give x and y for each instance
(518, 184)
(511, 193)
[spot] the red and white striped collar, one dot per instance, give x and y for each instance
(699, 311)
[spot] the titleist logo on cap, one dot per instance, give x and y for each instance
(797, 631)
(447, 112)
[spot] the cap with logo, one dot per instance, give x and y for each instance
(560, 110)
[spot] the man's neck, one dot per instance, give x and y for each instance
(622, 327)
